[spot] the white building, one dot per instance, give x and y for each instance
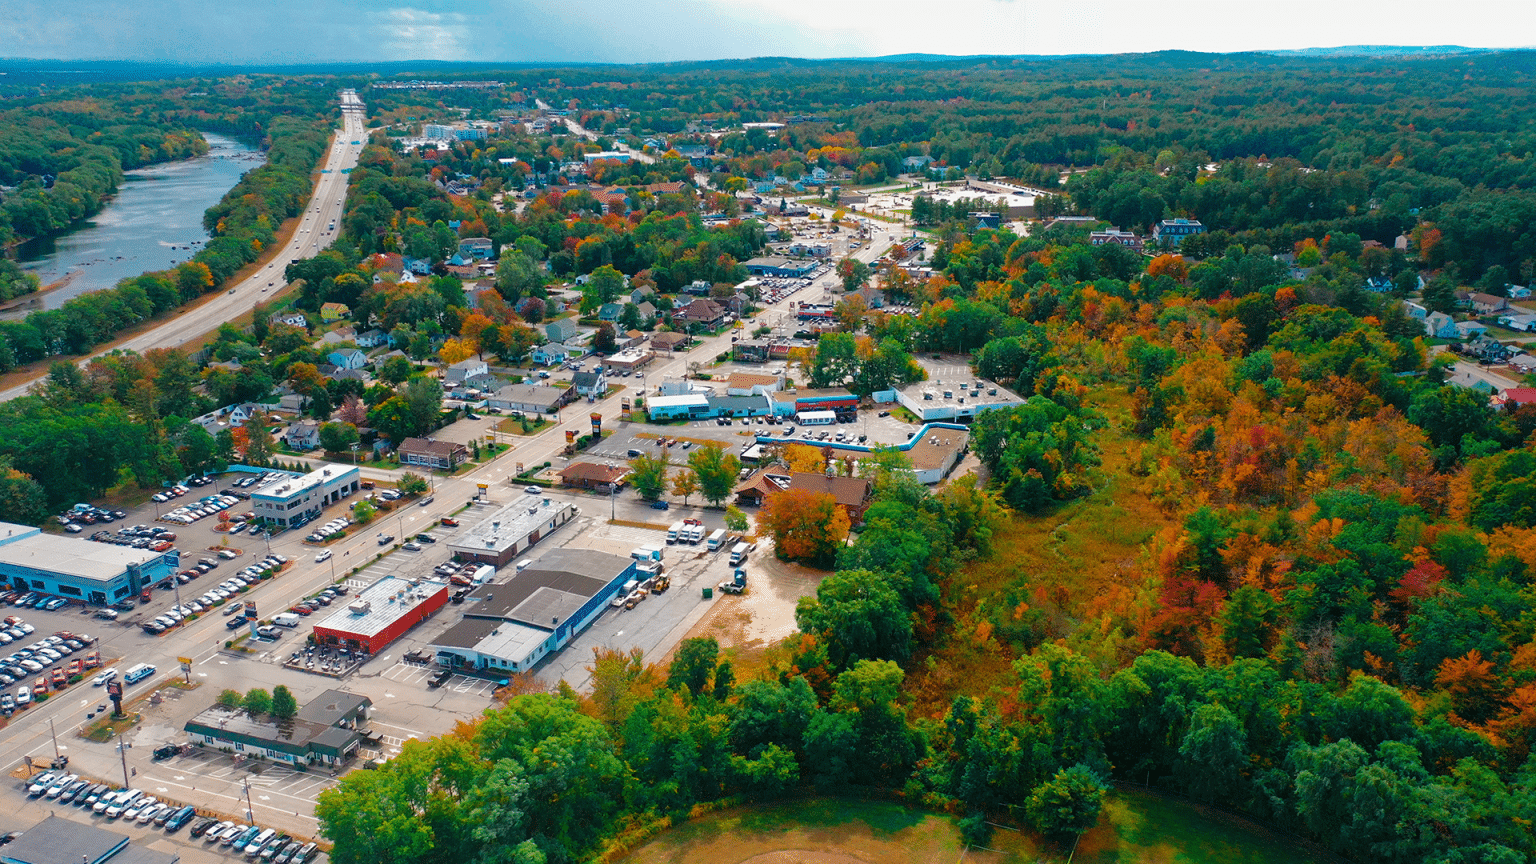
(294, 501)
(960, 399)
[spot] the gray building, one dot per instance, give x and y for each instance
(294, 501)
(327, 731)
(531, 398)
(57, 840)
(511, 627)
(512, 530)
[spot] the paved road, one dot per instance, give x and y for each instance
(581, 132)
(313, 234)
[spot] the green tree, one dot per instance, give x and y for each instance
(230, 698)
(854, 273)
(338, 437)
(693, 666)
(604, 340)
(858, 615)
(258, 441)
(1214, 755)
(257, 701)
(395, 370)
(835, 360)
(1068, 804)
(411, 483)
(518, 276)
(648, 474)
(716, 469)
(423, 400)
(364, 511)
(735, 520)
(283, 703)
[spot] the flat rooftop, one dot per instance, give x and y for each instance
(288, 487)
(492, 637)
(387, 600)
(511, 524)
(67, 556)
(975, 391)
(56, 840)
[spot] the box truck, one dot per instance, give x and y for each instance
(738, 553)
(675, 533)
(716, 539)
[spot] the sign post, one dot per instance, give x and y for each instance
(480, 489)
(115, 691)
(186, 667)
(250, 617)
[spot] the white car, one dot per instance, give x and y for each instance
(41, 784)
(103, 678)
(323, 556)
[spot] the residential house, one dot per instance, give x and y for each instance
(647, 310)
(303, 435)
(459, 372)
(333, 312)
(1487, 304)
(1415, 310)
(371, 338)
(631, 339)
(609, 312)
(1519, 292)
(337, 338)
(475, 248)
(752, 491)
(668, 341)
(1471, 329)
(641, 294)
(1523, 323)
(593, 384)
(703, 312)
(1128, 239)
(672, 188)
(291, 317)
(560, 329)
(1441, 326)
(1519, 396)
(593, 475)
(348, 358)
(531, 398)
(1175, 230)
(550, 354)
(916, 163)
(418, 266)
(432, 453)
(819, 175)
(291, 403)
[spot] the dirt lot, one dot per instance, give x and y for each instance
(751, 622)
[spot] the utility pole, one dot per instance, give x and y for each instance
(122, 751)
(249, 816)
(56, 753)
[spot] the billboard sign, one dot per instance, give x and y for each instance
(597, 425)
(250, 611)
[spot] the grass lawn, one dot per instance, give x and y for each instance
(1135, 827)
(514, 426)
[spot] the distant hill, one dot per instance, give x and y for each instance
(1386, 51)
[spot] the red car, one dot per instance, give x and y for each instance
(302, 610)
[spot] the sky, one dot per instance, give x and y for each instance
(623, 31)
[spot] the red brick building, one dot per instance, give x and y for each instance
(381, 613)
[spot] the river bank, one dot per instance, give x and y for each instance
(154, 222)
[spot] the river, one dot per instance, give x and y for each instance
(155, 221)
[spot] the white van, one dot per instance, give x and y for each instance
(524, 564)
(716, 539)
(675, 532)
(286, 619)
(738, 553)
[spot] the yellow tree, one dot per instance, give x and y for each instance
(685, 483)
(805, 526)
(473, 325)
(455, 350)
(808, 460)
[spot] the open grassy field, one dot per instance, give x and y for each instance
(1135, 827)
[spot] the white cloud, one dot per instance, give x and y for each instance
(407, 33)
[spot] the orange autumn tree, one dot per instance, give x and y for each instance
(805, 526)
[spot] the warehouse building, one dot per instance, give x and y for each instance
(93, 573)
(293, 501)
(326, 731)
(511, 627)
(512, 530)
(958, 400)
(381, 613)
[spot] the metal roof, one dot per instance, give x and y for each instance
(57, 840)
(511, 524)
(382, 604)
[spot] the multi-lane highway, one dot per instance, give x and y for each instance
(316, 230)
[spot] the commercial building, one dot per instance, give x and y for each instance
(606, 155)
(692, 405)
(531, 398)
(57, 840)
(432, 453)
(934, 451)
(94, 573)
(381, 613)
(593, 475)
(510, 627)
(951, 400)
(326, 731)
(781, 267)
(629, 359)
(512, 530)
(292, 501)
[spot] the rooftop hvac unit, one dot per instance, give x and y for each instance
(359, 607)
